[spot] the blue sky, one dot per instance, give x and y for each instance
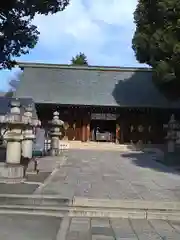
(102, 29)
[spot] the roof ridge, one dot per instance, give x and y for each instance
(82, 67)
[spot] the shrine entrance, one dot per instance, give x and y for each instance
(102, 130)
(103, 127)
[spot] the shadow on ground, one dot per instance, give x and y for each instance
(167, 163)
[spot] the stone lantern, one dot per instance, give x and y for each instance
(28, 132)
(14, 123)
(55, 134)
(171, 137)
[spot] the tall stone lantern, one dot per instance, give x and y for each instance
(14, 124)
(28, 132)
(171, 137)
(55, 134)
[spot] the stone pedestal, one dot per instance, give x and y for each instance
(11, 173)
(27, 143)
(13, 152)
(12, 169)
(55, 145)
(171, 146)
(13, 148)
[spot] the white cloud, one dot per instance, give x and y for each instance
(102, 29)
(85, 28)
(73, 22)
(118, 12)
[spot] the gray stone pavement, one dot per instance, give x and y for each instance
(22, 227)
(26, 227)
(121, 229)
(46, 166)
(17, 188)
(114, 175)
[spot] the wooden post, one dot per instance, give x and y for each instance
(117, 133)
(85, 127)
(121, 135)
(88, 132)
(83, 131)
(74, 131)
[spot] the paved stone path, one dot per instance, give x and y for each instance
(33, 181)
(114, 175)
(124, 229)
(26, 227)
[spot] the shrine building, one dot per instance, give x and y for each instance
(114, 104)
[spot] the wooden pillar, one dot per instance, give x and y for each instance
(84, 129)
(117, 133)
(121, 133)
(74, 131)
(85, 126)
(83, 132)
(88, 132)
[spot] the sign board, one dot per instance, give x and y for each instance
(103, 116)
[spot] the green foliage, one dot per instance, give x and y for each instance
(9, 94)
(79, 59)
(17, 33)
(156, 41)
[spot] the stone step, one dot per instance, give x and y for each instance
(82, 207)
(56, 201)
(126, 204)
(70, 211)
(33, 200)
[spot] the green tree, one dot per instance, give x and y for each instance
(79, 59)
(156, 41)
(17, 33)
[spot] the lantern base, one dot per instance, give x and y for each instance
(11, 173)
(171, 146)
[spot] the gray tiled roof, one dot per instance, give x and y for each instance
(5, 105)
(103, 86)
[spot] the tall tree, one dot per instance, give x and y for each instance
(79, 59)
(17, 33)
(156, 41)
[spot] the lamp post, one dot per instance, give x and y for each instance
(55, 134)
(28, 133)
(19, 138)
(14, 123)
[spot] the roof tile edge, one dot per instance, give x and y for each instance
(91, 67)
